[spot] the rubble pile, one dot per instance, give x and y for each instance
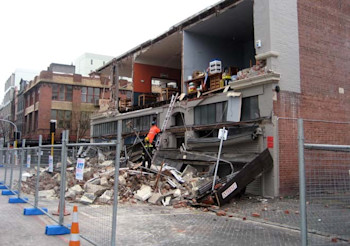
(259, 69)
(160, 185)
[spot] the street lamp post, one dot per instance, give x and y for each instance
(16, 130)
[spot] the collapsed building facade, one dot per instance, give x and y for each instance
(264, 47)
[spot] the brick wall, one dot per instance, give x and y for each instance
(324, 47)
(45, 99)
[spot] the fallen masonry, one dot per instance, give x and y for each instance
(161, 185)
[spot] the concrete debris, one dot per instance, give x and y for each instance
(57, 176)
(143, 193)
(107, 163)
(135, 183)
(88, 198)
(104, 181)
(88, 173)
(70, 194)
(95, 180)
(122, 180)
(26, 175)
(77, 189)
(106, 197)
(47, 193)
(95, 189)
(188, 173)
(101, 156)
(166, 201)
(155, 198)
(174, 172)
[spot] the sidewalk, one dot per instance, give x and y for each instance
(144, 224)
(17, 229)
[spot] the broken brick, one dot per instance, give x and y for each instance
(177, 205)
(221, 213)
(217, 186)
(255, 215)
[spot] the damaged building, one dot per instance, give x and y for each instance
(240, 64)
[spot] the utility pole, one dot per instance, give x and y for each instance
(115, 81)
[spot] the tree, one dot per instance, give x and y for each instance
(80, 123)
(5, 129)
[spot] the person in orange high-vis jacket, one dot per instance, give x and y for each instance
(152, 132)
(146, 159)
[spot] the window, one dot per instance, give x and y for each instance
(96, 94)
(30, 119)
(53, 114)
(69, 93)
(250, 108)
(37, 95)
(63, 117)
(36, 119)
(179, 119)
(83, 94)
(54, 92)
(62, 92)
(90, 94)
(210, 113)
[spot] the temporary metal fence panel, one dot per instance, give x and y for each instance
(2, 166)
(53, 185)
(12, 158)
(327, 178)
(91, 185)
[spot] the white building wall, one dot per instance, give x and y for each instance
(88, 62)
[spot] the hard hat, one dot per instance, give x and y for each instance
(146, 139)
(153, 123)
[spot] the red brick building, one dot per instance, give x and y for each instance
(324, 53)
(69, 99)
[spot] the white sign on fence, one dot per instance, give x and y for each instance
(29, 159)
(79, 170)
(50, 163)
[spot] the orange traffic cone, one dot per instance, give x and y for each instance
(65, 212)
(74, 231)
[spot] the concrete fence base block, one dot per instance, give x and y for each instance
(52, 230)
(34, 211)
(18, 200)
(9, 192)
(3, 187)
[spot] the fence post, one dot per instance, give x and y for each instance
(36, 198)
(2, 162)
(63, 176)
(116, 183)
(21, 167)
(6, 163)
(302, 187)
(12, 164)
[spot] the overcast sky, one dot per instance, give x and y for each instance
(35, 33)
